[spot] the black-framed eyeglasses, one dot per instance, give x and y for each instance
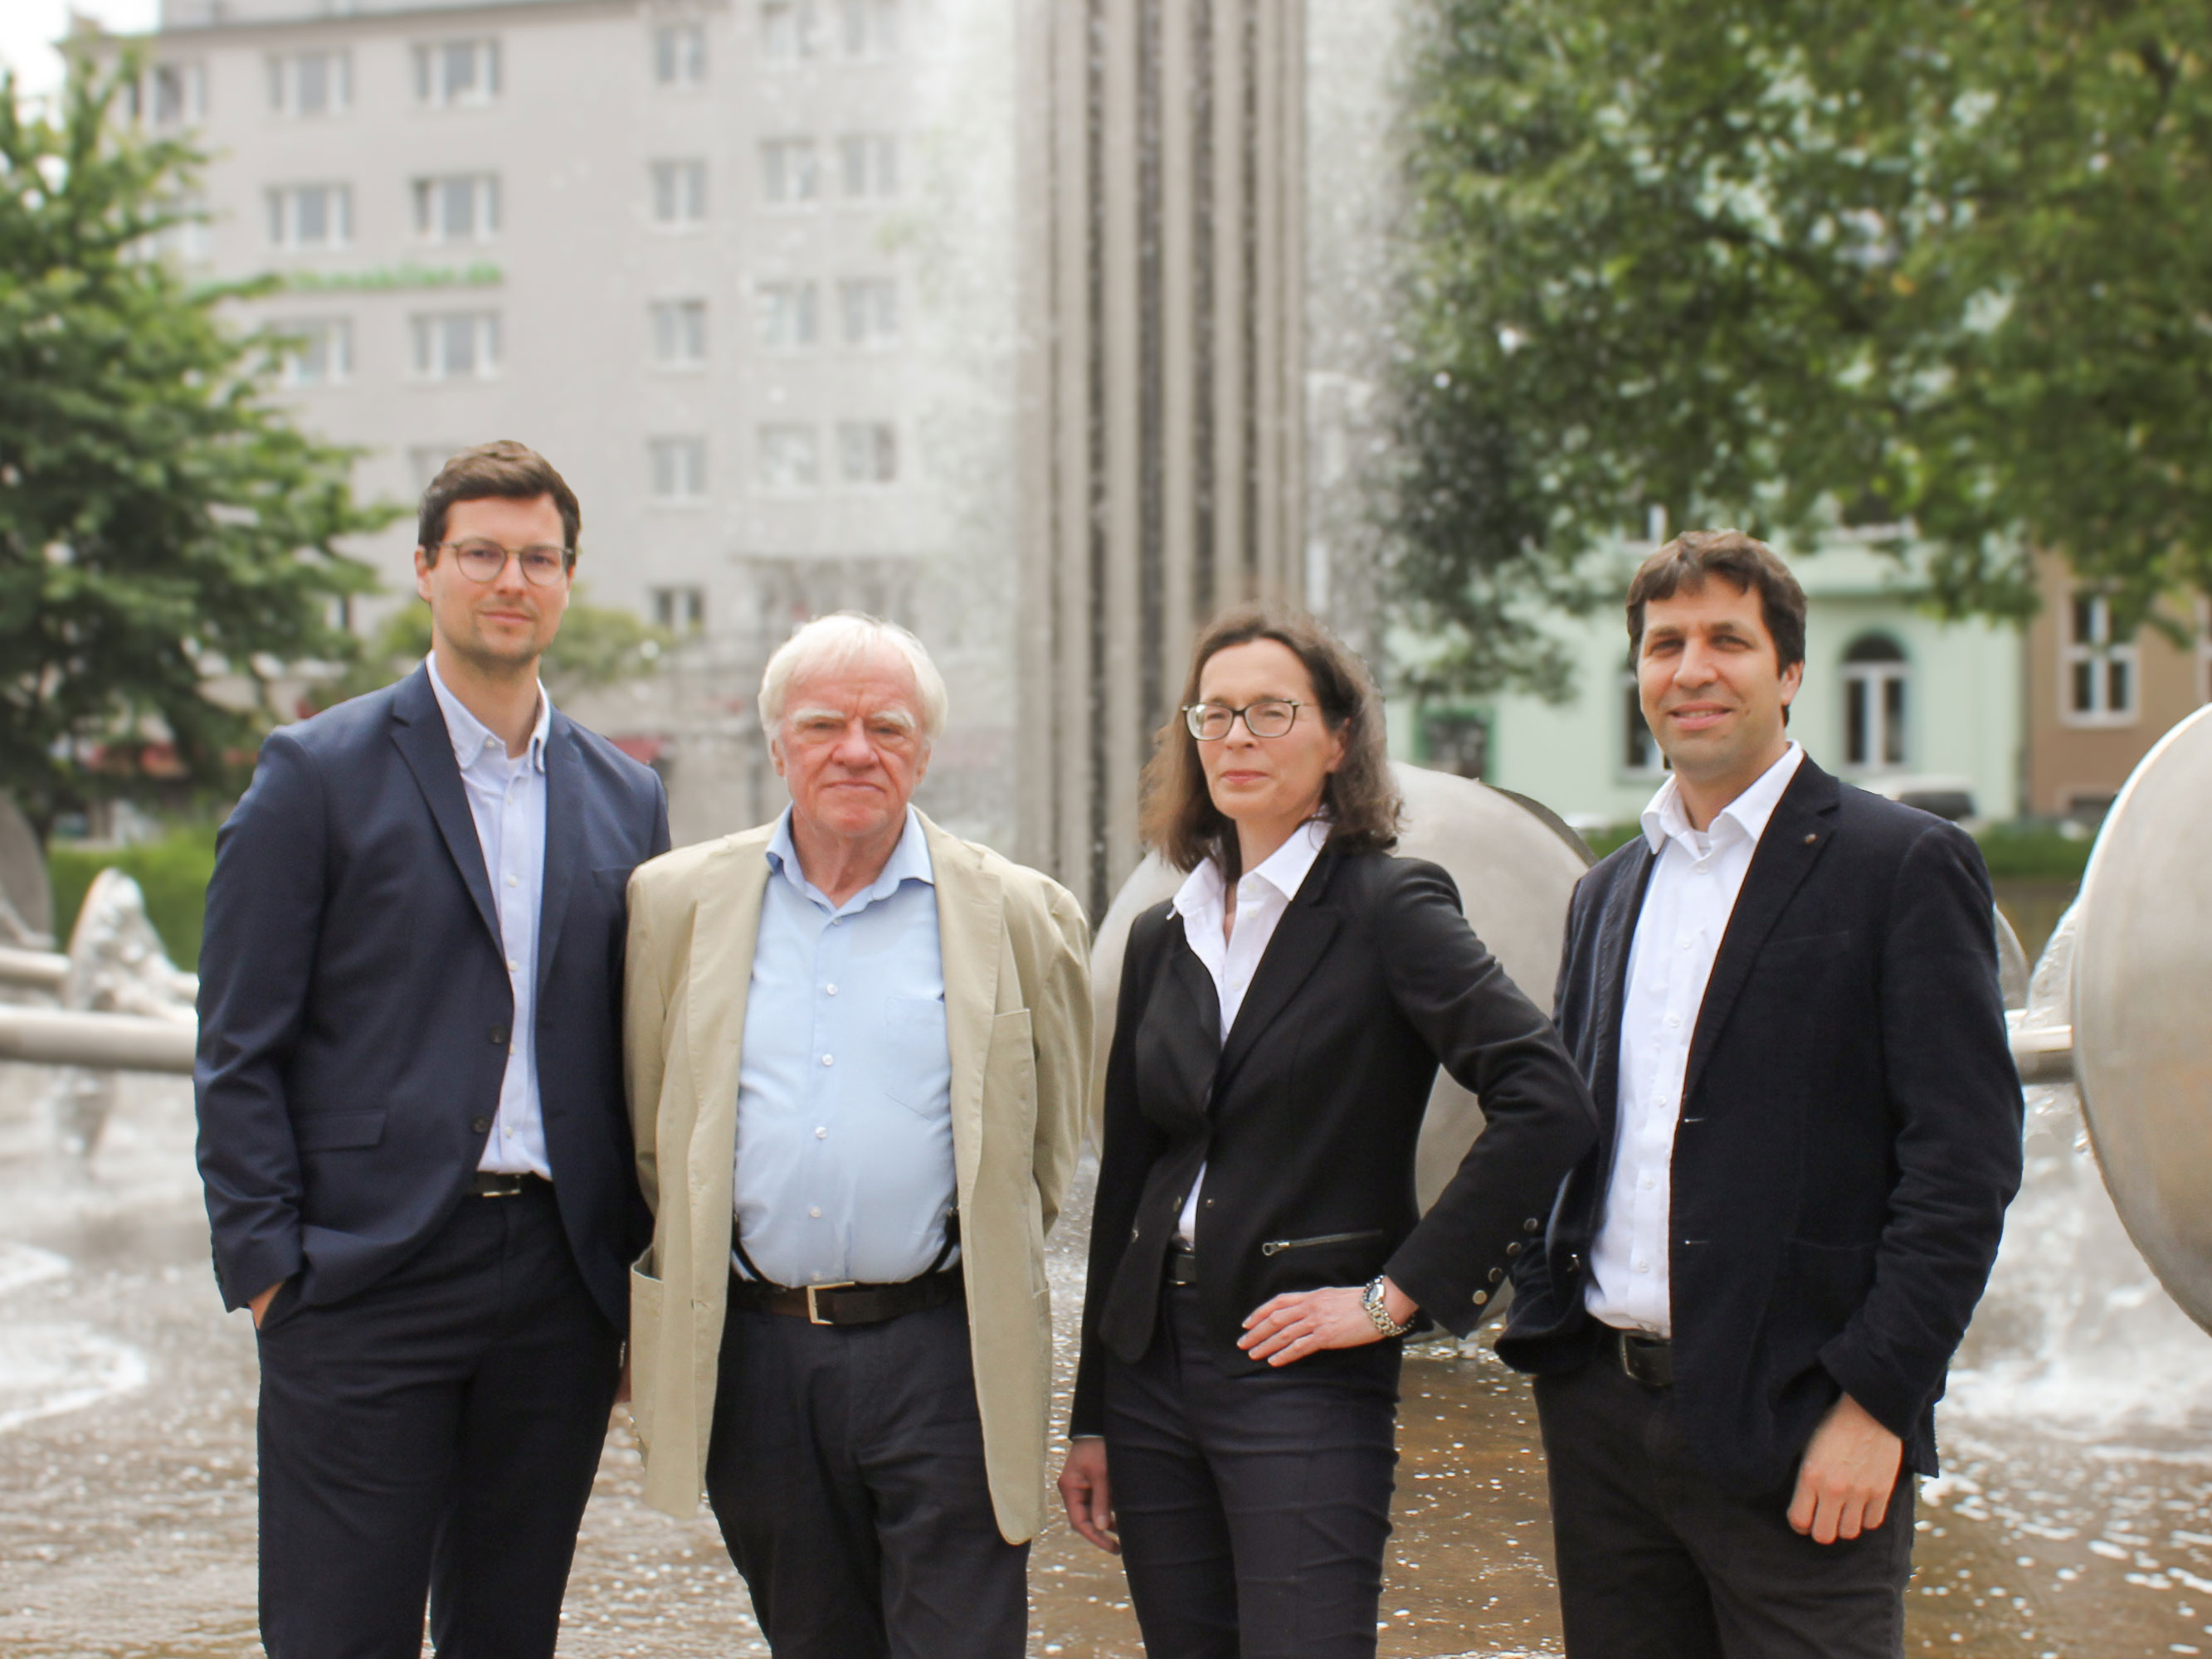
(481, 560)
(1270, 717)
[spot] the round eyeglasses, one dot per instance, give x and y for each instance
(1270, 717)
(543, 565)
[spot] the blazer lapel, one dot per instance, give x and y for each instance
(1616, 934)
(1791, 845)
(564, 839)
(1191, 1042)
(419, 731)
(970, 931)
(1301, 940)
(725, 928)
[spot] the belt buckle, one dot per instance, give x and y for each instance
(813, 1313)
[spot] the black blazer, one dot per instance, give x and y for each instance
(1306, 1118)
(1849, 1139)
(354, 1002)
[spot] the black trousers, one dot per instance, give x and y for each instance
(1253, 1510)
(847, 1471)
(1656, 1561)
(436, 1434)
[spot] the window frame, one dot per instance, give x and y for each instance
(487, 82)
(2102, 655)
(685, 471)
(487, 350)
(283, 205)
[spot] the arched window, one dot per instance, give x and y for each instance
(1876, 675)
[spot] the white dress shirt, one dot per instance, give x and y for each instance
(507, 799)
(1263, 895)
(1685, 911)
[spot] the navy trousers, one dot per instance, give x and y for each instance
(847, 1471)
(434, 1436)
(1656, 1561)
(1253, 1510)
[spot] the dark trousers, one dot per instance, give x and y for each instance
(847, 1471)
(1656, 1561)
(1253, 1510)
(437, 1433)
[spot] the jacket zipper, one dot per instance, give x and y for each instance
(1277, 1246)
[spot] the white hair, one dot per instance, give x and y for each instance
(843, 640)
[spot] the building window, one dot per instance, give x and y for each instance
(869, 310)
(310, 216)
(788, 171)
(679, 54)
(680, 194)
(787, 315)
(679, 470)
(791, 30)
(871, 28)
(869, 161)
(789, 459)
(679, 610)
(452, 74)
(1457, 743)
(306, 84)
(680, 333)
(868, 452)
(464, 208)
(1876, 675)
(169, 95)
(316, 351)
(456, 345)
(2098, 664)
(1639, 750)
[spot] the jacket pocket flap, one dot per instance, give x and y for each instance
(327, 1131)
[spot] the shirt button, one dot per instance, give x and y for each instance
(1641, 1266)
(831, 990)
(1645, 1183)
(822, 1135)
(815, 1211)
(513, 881)
(828, 1061)
(512, 966)
(1672, 1019)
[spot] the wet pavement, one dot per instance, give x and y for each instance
(127, 1507)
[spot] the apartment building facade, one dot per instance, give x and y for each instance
(742, 269)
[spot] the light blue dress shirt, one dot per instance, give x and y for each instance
(844, 1169)
(506, 800)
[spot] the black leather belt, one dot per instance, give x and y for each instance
(846, 1304)
(1182, 1265)
(1648, 1360)
(492, 1183)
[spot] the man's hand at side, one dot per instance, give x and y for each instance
(1848, 1471)
(259, 1304)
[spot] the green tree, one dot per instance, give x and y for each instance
(169, 542)
(1775, 261)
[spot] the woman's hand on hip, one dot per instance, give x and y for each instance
(1085, 1490)
(1299, 1322)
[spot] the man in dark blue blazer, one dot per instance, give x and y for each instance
(417, 1160)
(1783, 994)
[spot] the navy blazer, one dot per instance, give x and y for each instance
(1306, 1118)
(1850, 1132)
(354, 1001)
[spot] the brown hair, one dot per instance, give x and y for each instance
(1749, 566)
(1179, 820)
(502, 469)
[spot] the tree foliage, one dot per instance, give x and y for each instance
(169, 541)
(1914, 263)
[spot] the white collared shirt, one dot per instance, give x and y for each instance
(1693, 892)
(1263, 895)
(506, 800)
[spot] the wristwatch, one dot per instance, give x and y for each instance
(1372, 1301)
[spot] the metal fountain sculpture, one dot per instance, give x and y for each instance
(2134, 945)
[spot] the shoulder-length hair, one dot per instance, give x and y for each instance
(1178, 819)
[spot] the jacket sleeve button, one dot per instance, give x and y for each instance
(1481, 1297)
(1132, 1232)
(1530, 1224)
(499, 1034)
(1514, 1249)
(479, 1126)
(1496, 1274)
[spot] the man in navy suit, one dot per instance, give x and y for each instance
(418, 1165)
(1783, 994)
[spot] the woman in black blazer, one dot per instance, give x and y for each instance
(1256, 1249)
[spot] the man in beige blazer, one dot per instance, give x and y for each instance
(857, 1051)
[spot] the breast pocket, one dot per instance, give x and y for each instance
(913, 1064)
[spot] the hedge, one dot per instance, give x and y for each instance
(172, 873)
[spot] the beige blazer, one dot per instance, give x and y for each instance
(1018, 1016)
